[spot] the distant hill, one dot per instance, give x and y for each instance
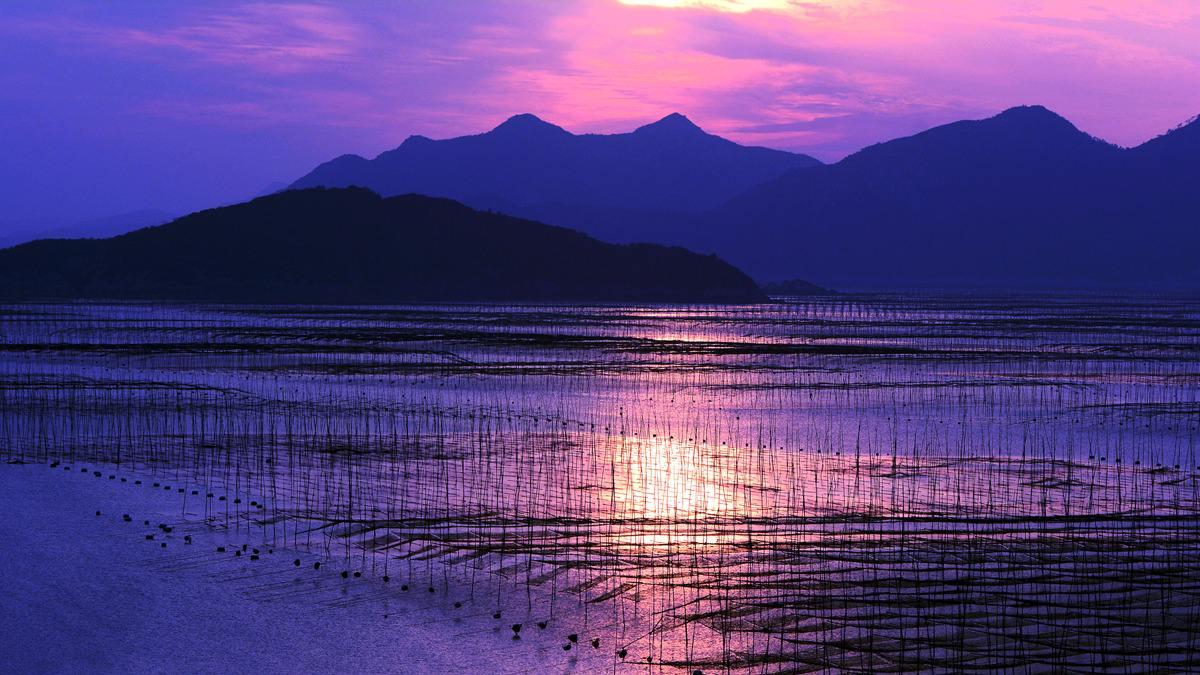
(618, 187)
(794, 287)
(352, 246)
(1022, 199)
(90, 229)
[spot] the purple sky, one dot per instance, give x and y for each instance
(113, 107)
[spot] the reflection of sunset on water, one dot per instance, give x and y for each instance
(668, 479)
(797, 484)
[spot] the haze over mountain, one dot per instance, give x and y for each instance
(619, 187)
(353, 246)
(108, 226)
(1017, 200)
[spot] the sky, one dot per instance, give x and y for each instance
(113, 107)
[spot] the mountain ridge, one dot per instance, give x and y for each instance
(1021, 198)
(528, 167)
(352, 246)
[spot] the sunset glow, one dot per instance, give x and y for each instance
(104, 95)
(600, 336)
(736, 6)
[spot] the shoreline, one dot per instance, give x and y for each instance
(96, 593)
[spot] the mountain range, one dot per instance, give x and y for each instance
(626, 187)
(1022, 199)
(1019, 200)
(352, 246)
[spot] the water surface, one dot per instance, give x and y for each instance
(857, 483)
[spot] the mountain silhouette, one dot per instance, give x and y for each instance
(1020, 199)
(795, 287)
(353, 246)
(618, 187)
(1180, 144)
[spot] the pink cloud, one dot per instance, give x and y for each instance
(826, 75)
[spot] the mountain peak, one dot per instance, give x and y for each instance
(526, 123)
(675, 124)
(1030, 110)
(529, 167)
(1034, 115)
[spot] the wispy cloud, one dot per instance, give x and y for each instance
(312, 78)
(734, 65)
(735, 6)
(268, 38)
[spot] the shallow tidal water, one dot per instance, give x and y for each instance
(854, 483)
